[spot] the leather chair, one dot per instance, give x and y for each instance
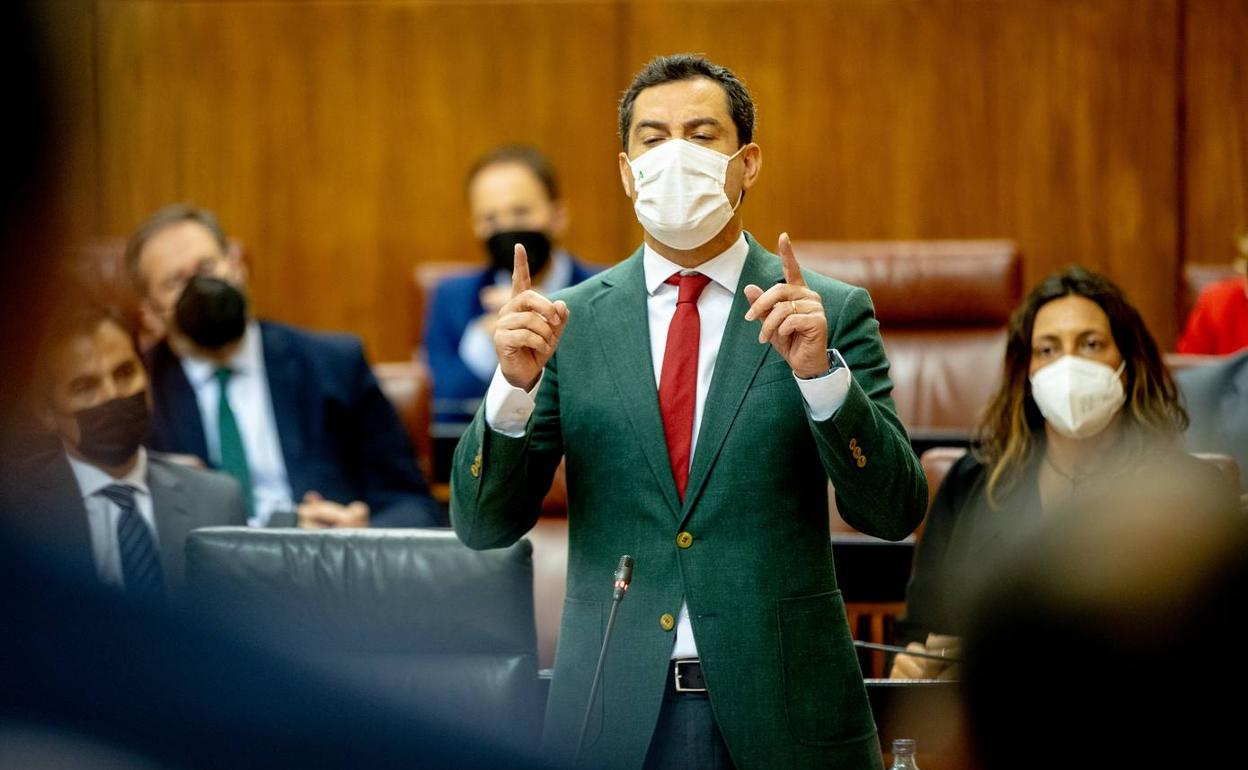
(942, 307)
(413, 614)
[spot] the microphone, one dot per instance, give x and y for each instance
(904, 651)
(623, 578)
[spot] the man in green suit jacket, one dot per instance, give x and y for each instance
(701, 423)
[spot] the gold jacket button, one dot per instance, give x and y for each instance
(667, 622)
(684, 540)
(853, 444)
(857, 452)
(862, 461)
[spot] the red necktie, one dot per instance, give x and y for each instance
(678, 385)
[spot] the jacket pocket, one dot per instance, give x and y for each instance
(825, 700)
(772, 371)
(580, 638)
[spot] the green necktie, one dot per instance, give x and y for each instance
(233, 455)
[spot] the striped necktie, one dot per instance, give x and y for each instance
(141, 572)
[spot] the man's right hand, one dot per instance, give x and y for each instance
(528, 330)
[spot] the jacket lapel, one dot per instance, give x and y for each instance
(175, 399)
(619, 313)
(173, 517)
(282, 370)
(740, 355)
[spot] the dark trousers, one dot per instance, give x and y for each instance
(686, 736)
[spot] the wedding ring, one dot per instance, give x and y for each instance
(793, 306)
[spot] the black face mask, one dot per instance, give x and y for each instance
(211, 312)
(111, 432)
(501, 248)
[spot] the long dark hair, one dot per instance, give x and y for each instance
(1013, 428)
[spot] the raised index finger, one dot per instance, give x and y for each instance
(520, 272)
(792, 270)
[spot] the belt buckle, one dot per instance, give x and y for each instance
(680, 687)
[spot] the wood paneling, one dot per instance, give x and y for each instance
(333, 137)
(1216, 128)
(1051, 123)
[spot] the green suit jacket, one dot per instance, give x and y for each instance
(767, 615)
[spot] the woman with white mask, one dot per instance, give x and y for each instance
(1085, 401)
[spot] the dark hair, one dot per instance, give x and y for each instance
(79, 312)
(1013, 426)
(523, 155)
(173, 214)
(688, 66)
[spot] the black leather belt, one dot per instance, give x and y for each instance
(686, 675)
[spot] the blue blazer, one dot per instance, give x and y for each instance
(456, 304)
(339, 434)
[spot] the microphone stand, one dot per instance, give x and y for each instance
(623, 577)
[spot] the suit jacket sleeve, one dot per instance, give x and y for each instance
(392, 485)
(495, 509)
(880, 486)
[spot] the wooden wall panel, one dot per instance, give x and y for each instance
(333, 137)
(1048, 122)
(1216, 128)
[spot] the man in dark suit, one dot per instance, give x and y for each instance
(513, 197)
(702, 393)
(297, 417)
(1216, 398)
(116, 510)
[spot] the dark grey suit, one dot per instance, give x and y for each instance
(1216, 398)
(183, 499)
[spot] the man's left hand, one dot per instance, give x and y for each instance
(792, 316)
(315, 512)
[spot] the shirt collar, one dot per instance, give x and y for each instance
(91, 479)
(723, 269)
(248, 359)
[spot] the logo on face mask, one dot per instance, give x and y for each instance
(501, 249)
(1078, 397)
(680, 193)
(110, 433)
(211, 312)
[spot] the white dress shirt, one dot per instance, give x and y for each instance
(103, 514)
(476, 347)
(252, 404)
(507, 408)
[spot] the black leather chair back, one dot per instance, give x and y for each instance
(411, 613)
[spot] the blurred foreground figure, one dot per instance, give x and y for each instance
(1112, 637)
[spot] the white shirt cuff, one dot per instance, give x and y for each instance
(824, 395)
(508, 408)
(476, 349)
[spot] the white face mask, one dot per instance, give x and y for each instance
(1078, 397)
(680, 193)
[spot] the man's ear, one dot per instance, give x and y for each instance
(626, 175)
(752, 163)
